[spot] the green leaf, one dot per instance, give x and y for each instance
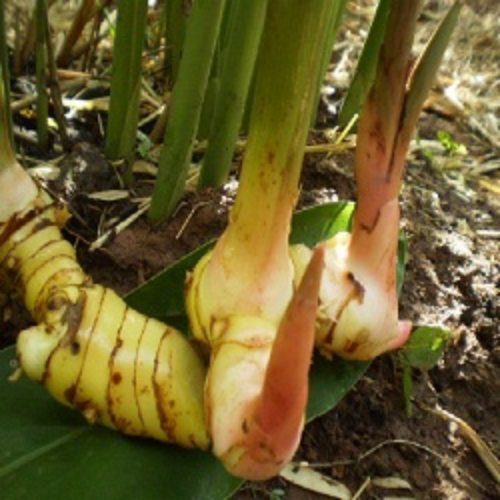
(422, 351)
(425, 347)
(312, 225)
(330, 381)
(426, 67)
(49, 451)
(401, 261)
(450, 146)
(408, 389)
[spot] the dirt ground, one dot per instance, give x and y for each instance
(451, 215)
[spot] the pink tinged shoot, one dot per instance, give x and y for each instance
(257, 387)
(358, 301)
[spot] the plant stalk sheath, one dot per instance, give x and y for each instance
(187, 102)
(246, 30)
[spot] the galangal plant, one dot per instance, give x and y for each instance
(358, 301)
(257, 303)
(238, 293)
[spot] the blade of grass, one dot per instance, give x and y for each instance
(218, 62)
(187, 103)
(7, 156)
(88, 50)
(25, 48)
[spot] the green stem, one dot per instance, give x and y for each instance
(6, 135)
(237, 296)
(42, 103)
(246, 30)
(187, 102)
(176, 15)
(7, 156)
(126, 79)
(210, 98)
(291, 52)
(333, 25)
